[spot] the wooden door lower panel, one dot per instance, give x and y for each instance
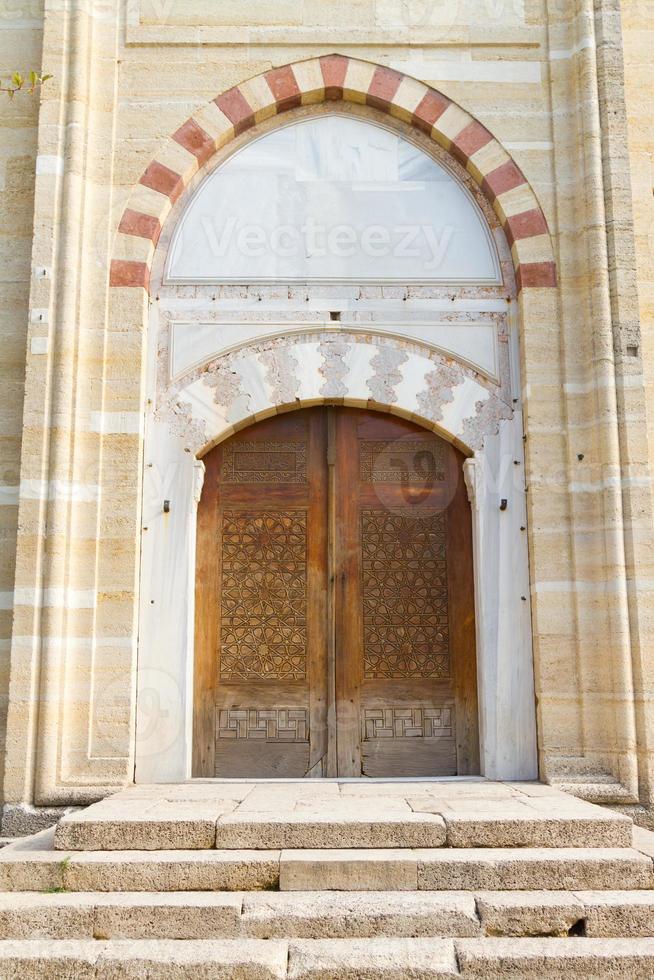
(412, 733)
(262, 731)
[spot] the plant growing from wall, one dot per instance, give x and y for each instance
(18, 82)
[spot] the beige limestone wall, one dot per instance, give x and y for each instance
(20, 49)
(638, 34)
(542, 76)
(638, 44)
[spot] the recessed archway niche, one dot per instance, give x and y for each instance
(248, 321)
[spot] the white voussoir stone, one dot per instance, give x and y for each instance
(352, 959)
(345, 915)
(531, 869)
(327, 829)
(348, 870)
(542, 959)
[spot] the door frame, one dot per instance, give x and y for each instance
(334, 602)
(493, 473)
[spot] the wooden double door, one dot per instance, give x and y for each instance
(334, 602)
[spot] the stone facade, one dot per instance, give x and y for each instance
(530, 102)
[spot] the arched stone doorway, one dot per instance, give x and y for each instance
(334, 606)
(438, 347)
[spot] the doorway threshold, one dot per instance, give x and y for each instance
(341, 779)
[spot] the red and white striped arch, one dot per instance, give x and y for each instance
(314, 81)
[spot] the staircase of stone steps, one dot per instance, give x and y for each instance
(331, 880)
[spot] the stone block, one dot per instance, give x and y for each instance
(347, 915)
(618, 913)
(167, 915)
(536, 830)
(39, 958)
(31, 864)
(33, 915)
(538, 913)
(242, 959)
(137, 825)
(528, 869)
(545, 958)
(351, 959)
(328, 828)
(348, 870)
(172, 871)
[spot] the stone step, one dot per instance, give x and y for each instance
(90, 831)
(594, 914)
(330, 959)
(421, 820)
(466, 869)
(329, 915)
(33, 865)
(228, 915)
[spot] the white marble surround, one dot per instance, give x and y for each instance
(222, 357)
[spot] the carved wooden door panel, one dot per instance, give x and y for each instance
(405, 649)
(334, 580)
(260, 674)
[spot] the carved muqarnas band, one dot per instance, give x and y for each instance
(263, 596)
(264, 462)
(408, 722)
(405, 599)
(415, 462)
(263, 724)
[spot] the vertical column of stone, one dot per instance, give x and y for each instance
(594, 591)
(56, 577)
(20, 45)
(557, 645)
(630, 384)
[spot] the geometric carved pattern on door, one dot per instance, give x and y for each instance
(403, 461)
(265, 462)
(271, 724)
(263, 595)
(405, 598)
(407, 722)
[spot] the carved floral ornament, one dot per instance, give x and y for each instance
(442, 393)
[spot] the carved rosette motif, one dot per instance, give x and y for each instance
(405, 600)
(263, 595)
